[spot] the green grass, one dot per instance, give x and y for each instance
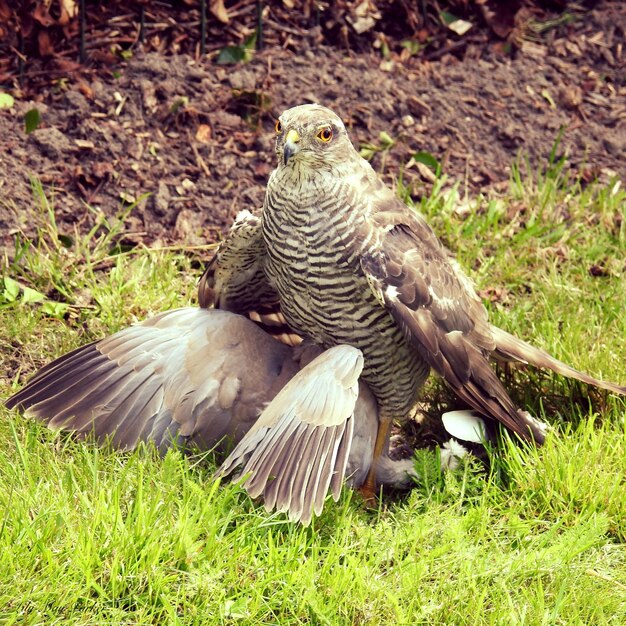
(88, 536)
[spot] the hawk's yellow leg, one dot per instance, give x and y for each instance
(368, 488)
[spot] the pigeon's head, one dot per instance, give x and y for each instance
(311, 135)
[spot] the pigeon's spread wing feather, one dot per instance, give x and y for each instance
(181, 376)
(299, 447)
(426, 292)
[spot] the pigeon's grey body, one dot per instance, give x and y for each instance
(208, 379)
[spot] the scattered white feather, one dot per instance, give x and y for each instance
(391, 292)
(542, 427)
(451, 454)
(243, 216)
(465, 425)
(397, 473)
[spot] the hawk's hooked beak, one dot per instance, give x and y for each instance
(291, 145)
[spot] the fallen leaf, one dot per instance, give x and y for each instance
(5, 11)
(42, 15)
(6, 100)
(203, 134)
(500, 16)
(546, 95)
(427, 159)
(46, 49)
(69, 10)
(219, 10)
(363, 17)
(460, 27)
(31, 120)
(456, 25)
(86, 90)
(85, 144)
(425, 172)
(67, 65)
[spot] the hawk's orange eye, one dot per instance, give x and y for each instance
(278, 127)
(325, 134)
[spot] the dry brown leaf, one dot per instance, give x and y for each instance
(42, 13)
(5, 11)
(67, 65)
(203, 134)
(219, 10)
(69, 10)
(46, 48)
(500, 16)
(86, 90)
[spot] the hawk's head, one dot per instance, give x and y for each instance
(311, 135)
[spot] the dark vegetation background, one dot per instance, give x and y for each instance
(169, 107)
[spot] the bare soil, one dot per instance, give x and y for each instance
(192, 141)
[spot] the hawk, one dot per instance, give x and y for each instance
(351, 264)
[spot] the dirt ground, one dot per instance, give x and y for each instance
(197, 137)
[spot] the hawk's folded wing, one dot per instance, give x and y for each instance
(235, 280)
(427, 293)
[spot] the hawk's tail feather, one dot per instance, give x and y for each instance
(510, 348)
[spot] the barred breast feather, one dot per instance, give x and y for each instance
(314, 241)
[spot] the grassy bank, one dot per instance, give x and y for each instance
(88, 536)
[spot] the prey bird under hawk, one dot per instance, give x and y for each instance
(349, 263)
(301, 421)
(204, 379)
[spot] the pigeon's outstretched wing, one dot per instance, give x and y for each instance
(194, 376)
(428, 295)
(186, 376)
(299, 447)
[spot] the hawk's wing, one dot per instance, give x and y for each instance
(299, 447)
(426, 292)
(235, 279)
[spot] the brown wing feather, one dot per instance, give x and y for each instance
(435, 303)
(511, 348)
(235, 280)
